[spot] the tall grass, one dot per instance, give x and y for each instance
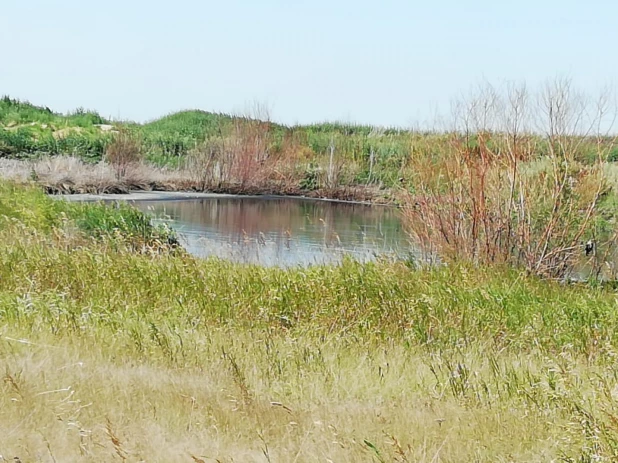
(109, 354)
(32, 209)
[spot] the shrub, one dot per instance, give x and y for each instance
(487, 202)
(123, 152)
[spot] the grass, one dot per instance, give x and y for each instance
(15, 112)
(114, 355)
(117, 345)
(27, 130)
(251, 156)
(240, 154)
(33, 210)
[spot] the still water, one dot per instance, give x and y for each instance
(282, 231)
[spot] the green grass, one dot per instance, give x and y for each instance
(111, 354)
(439, 306)
(33, 209)
(15, 112)
(364, 155)
(27, 131)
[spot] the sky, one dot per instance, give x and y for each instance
(388, 62)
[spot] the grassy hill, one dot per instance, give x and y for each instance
(25, 127)
(29, 131)
(225, 150)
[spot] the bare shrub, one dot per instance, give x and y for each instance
(124, 152)
(484, 203)
(253, 156)
(245, 159)
(248, 150)
(234, 160)
(204, 163)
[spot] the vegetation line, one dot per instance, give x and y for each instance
(154, 350)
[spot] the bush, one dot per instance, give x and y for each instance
(490, 200)
(124, 152)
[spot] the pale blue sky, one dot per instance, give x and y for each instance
(389, 62)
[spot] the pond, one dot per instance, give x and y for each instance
(282, 231)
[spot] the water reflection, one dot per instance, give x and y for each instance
(282, 231)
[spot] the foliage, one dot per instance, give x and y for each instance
(112, 353)
(31, 207)
(372, 156)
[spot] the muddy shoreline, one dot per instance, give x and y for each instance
(172, 191)
(140, 195)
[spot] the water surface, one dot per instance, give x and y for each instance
(282, 231)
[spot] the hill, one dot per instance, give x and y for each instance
(28, 131)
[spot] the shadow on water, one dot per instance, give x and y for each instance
(283, 231)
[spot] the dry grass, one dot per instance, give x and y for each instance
(66, 174)
(285, 399)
